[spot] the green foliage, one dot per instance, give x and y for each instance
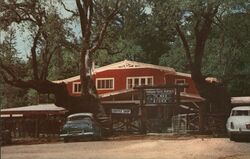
(175, 58)
(31, 97)
(226, 53)
(12, 96)
(137, 30)
(64, 64)
(125, 50)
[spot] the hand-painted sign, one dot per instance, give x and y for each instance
(159, 96)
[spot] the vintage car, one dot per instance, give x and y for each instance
(238, 124)
(81, 126)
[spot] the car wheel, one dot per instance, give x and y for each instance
(233, 137)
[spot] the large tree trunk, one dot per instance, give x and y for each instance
(74, 104)
(213, 115)
(214, 92)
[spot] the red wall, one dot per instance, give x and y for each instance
(120, 76)
(191, 88)
(159, 78)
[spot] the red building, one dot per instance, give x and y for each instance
(115, 85)
(125, 75)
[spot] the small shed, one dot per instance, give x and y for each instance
(35, 120)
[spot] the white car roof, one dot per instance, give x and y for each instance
(242, 108)
(80, 114)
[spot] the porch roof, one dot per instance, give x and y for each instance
(42, 109)
(185, 97)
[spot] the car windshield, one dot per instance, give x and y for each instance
(78, 118)
(241, 113)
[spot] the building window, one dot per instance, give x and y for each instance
(105, 83)
(139, 81)
(181, 81)
(76, 87)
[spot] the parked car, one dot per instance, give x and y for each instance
(81, 126)
(238, 124)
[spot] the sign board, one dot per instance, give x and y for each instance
(121, 111)
(159, 96)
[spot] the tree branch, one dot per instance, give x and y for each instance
(33, 56)
(8, 70)
(99, 38)
(185, 44)
(71, 11)
(83, 19)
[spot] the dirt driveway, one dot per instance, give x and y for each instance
(208, 148)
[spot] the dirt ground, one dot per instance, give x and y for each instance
(137, 147)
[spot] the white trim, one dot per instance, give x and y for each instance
(139, 77)
(5, 115)
(126, 64)
(67, 80)
(73, 86)
(115, 93)
(39, 107)
(189, 95)
(121, 102)
(100, 79)
(17, 115)
(183, 74)
(180, 79)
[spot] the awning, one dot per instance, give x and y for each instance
(40, 109)
(184, 97)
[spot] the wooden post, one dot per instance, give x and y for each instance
(178, 101)
(201, 118)
(143, 112)
(37, 128)
(112, 123)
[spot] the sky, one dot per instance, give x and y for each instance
(23, 38)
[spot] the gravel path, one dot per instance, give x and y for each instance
(208, 148)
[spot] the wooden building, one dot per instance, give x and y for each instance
(116, 83)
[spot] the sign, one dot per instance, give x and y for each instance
(159, 96)
(121, 111)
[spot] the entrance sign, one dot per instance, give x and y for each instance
(159, 96)
(121, 111)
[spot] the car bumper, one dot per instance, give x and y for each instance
(239, 131)
(83, 134)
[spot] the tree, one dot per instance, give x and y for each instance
(88, 46)
(48, 30)
(226, 45)
(194, 23)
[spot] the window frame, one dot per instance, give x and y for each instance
(104, 79)
(73, 87)
(181, 79)
(140, 78)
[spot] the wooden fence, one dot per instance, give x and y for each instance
(32, 127)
